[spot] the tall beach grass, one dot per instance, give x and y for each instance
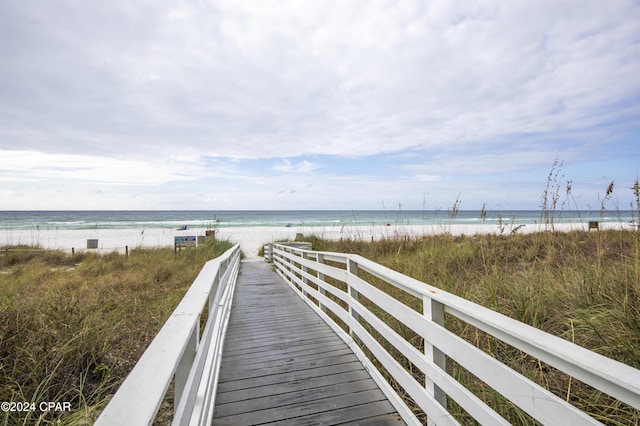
(72, 327)
(579, 285)
(583, 286)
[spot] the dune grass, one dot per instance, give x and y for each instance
(581, 286)
(72, 327)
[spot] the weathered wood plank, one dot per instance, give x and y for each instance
(282, 363)
(266, 345)
(252, 382)
(280, 368)
(366, 415)
(330, 410)
(295, 397)
(282, 353)
(283, 359)
(280, 388)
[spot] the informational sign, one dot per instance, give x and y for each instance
(185, 241)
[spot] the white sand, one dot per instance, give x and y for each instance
(250, 238)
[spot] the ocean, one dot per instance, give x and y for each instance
(119, 230)
(200, 219)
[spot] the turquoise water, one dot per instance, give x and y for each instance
(66, 220)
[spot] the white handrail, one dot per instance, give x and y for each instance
(179, 353)
(306, 272)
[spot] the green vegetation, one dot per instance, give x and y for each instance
(581, 286)
(72, 327)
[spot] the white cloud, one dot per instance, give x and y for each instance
(32, 166)
(302, 167)
(273, 80)
(428, 178)
(150, 93)
(489, 162)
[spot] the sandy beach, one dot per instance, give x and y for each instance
(252, 238)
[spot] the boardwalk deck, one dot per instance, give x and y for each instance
(282, 363)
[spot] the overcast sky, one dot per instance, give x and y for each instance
(216, 105)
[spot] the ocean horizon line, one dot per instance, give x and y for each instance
(449, 212)
(51, 219)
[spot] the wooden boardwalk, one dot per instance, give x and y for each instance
(282, 363)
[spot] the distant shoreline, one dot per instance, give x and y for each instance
(251, 238)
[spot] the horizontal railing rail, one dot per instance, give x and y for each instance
(339, 288)
(179, 353)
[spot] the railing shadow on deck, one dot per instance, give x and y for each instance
(181, 354)
(339, 288)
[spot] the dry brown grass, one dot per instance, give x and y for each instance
(581, 286)
(72, 327)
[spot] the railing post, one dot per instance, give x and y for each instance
(184, 366)
(320, 276)
(290, 261)
(215, 284)
(270, 255)
(434, 311)
(304, 271)
(352, 268)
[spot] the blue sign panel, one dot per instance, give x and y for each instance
(185, 241)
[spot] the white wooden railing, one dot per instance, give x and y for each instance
(180, 353)
(308, 273)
